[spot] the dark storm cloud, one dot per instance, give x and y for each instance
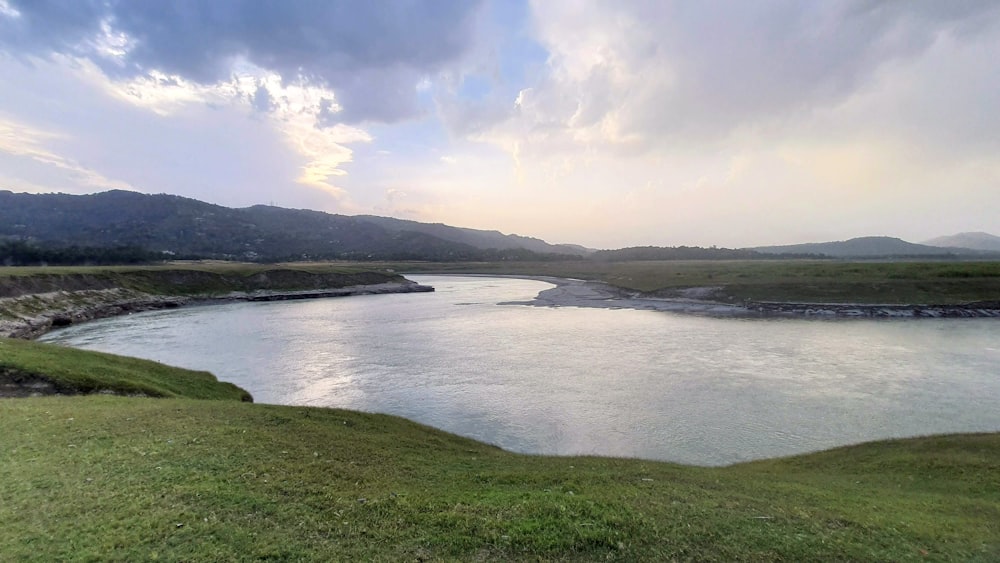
(371, 53)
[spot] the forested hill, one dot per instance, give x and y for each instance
(175, 226)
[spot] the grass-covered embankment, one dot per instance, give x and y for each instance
(33, 368)
(197, 278)
(792, 281)
(115, 478)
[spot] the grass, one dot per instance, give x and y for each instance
(826, 281)
(73, 371)
(113, 478)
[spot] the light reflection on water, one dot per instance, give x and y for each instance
(586, 381)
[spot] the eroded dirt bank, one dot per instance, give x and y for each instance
(31, 305)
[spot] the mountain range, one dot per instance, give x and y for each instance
(183, 227)
(178, 227)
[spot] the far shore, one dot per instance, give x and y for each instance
(592, 294)
(56, 309)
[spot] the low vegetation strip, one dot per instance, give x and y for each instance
(191, 279)
(30, 368)
(787, 281)
(114, 478)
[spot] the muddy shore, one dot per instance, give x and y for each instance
(581, 293)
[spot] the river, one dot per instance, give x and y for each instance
(565, 380)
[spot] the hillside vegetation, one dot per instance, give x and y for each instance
(176, 227)
(128, 227)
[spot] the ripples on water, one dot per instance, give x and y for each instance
(645, 384)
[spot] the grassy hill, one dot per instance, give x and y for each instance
(119, 478)
(174, 226)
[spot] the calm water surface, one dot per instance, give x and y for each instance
(645, 384)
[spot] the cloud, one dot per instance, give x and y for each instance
(371, 54)
(27, 143)
(631, 76)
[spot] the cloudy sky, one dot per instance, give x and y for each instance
(605, 123)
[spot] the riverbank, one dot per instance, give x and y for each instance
(592, 294)
(807, 286)
(36, 301)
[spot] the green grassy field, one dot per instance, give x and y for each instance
(115, 478)
(804, 281)
(100, 477)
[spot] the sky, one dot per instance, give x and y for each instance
(602, 123)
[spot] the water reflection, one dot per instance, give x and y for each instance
(569, 381)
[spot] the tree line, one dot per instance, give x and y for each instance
(25, 253)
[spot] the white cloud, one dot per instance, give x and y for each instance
(8, 11)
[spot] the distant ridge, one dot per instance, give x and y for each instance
(976, 241)
(475, 237)
(866, 247)
(187, 228)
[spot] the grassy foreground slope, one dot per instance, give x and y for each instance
(117, 478)
(69, 371)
